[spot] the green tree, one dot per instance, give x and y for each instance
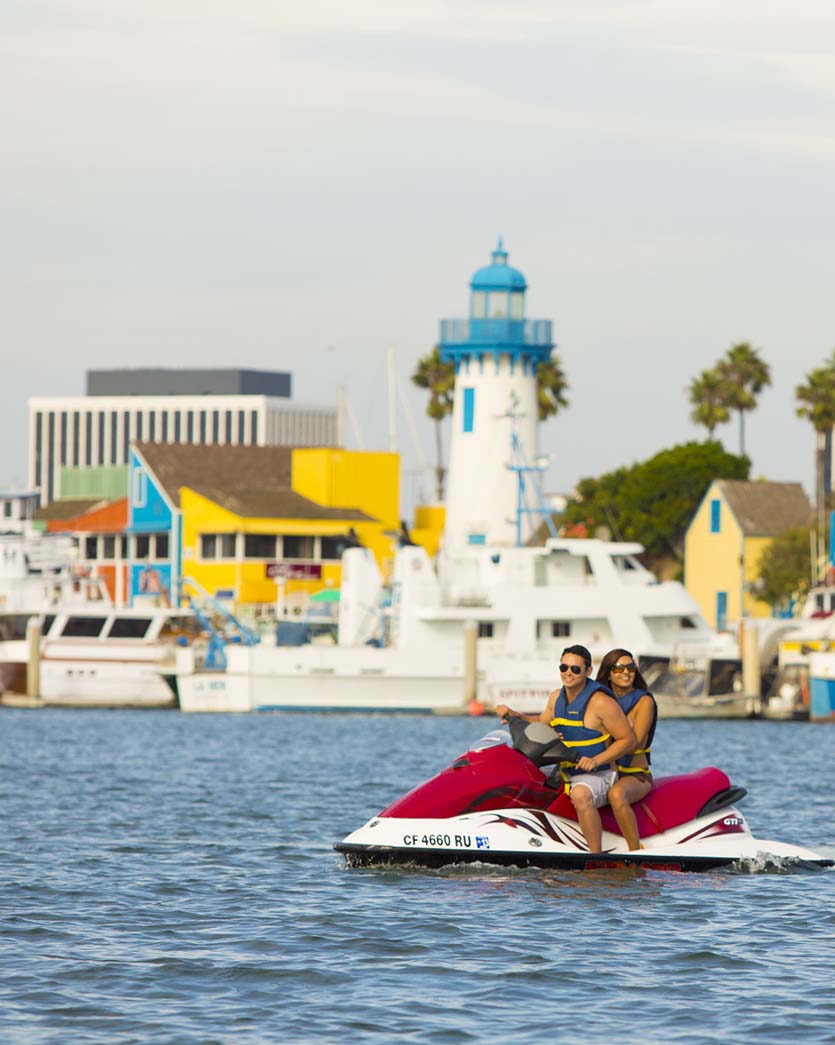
(784, 568)
(816, 400)
(709, 396)
(551, 388)
(745, 374)
(438, 378)
(653, 501)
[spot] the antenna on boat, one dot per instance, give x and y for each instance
(392, 397)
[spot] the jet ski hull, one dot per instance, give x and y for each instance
(494, 805)
(527, 838)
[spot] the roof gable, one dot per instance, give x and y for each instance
(251, 481)
(766, 509)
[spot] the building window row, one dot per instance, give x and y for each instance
(93, 438)
(100, 437)
(267, 546)
(113, 547)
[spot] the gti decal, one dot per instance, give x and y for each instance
(727, 825)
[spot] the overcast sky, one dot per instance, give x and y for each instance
(300, 186)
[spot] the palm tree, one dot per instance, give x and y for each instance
(817, 403)
(551, 386)
(746, 374)
(709, 395)
(438, 378)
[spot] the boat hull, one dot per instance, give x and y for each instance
(533, 838)
(310, 678)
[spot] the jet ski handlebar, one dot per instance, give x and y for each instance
(539, 742)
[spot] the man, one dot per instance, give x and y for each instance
(587, 717)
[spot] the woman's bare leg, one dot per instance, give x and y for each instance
(622, 794)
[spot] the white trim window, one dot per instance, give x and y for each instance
(140, 488)
(215, 546)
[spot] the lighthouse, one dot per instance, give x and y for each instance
(493, 451)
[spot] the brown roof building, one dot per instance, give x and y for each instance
(733, 525)
(253, 481)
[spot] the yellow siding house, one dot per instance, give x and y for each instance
(263, 524)
(732, 526)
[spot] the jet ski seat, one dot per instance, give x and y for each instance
(673, 800)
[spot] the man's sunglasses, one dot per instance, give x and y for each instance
(624, 667)
(573, 668)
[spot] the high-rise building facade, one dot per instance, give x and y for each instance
(95, 430)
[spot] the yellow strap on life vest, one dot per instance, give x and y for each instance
(635, 769)
(579, 743)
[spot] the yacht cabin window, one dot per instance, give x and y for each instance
(13, 626)
(83, 627)
(129, 628)
(553, 629)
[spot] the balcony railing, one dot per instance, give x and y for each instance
(533, 333)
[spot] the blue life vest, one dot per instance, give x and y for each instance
(627, 703)
(568, 720)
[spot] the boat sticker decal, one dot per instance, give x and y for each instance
(512, 821)
(505, 796)
(726, 825)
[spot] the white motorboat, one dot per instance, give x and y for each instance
(403, 648)
(87, 652)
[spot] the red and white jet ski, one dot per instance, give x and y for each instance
(494, 805)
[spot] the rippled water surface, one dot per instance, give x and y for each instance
(170, 878)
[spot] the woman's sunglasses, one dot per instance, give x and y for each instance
(624, 667)
(573, 668)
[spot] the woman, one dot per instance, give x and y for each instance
(620, 673)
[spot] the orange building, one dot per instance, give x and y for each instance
(102, 542)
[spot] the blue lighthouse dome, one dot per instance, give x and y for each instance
(498, 275)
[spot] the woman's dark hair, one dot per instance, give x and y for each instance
(579, 651)
(604, 672)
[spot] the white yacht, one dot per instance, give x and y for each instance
(404, 648)
(86, 651)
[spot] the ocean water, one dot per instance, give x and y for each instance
(170, 878)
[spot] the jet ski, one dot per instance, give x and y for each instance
(504, 802)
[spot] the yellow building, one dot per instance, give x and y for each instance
(732, 526)
(261, 525)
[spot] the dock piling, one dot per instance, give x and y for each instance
(33, 664)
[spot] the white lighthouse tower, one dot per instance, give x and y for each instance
(494, 420)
